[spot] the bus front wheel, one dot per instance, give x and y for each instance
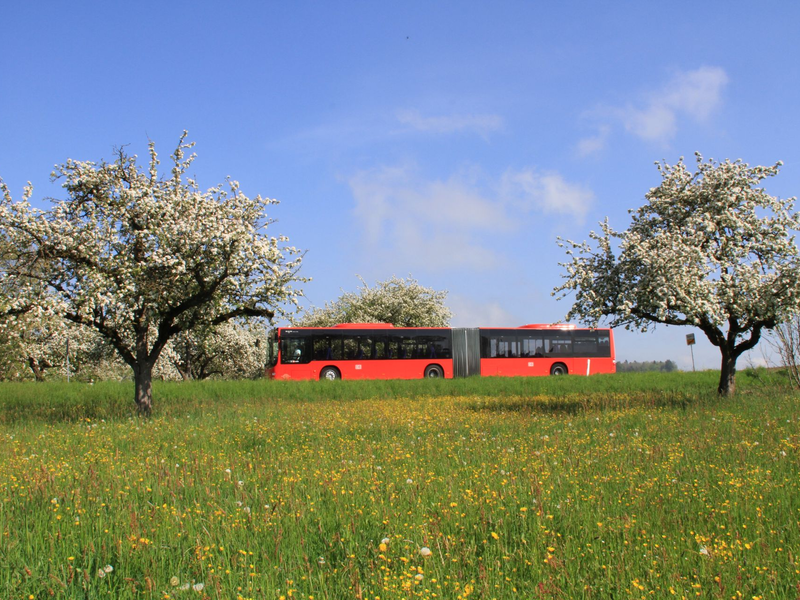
(558, 369)
(433, 372)
(330, 373)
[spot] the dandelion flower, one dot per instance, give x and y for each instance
(108, 568)
(101, 573)
(419, 576)
(425, 551)
(198, 587)
(174, 581)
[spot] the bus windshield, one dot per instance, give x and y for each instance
(272, 348)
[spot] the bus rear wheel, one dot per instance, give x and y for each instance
(433, 372)
(558, 369)
(330, 373)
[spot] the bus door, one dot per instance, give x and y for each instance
(295, 357)
(586, 352)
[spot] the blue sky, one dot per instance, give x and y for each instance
(452, 141)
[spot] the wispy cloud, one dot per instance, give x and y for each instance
(417, 222)
(695, 95)
(410, 222)
(480, 124)
(595, 143)
(546, 192)
(468, 313)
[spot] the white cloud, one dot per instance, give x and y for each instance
(412, 222)
(655, 123)
(464, 221)
(547, 192)
(697, 93)
(480, 124)
(596, 143)
(693, 94)
(469, 313)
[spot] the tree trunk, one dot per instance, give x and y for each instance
(37, 372)
(727, 375)
(143, 378)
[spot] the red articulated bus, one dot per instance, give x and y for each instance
(382, 351)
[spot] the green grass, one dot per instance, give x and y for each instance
(62, 402)
(625, 486)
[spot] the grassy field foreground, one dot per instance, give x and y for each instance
(622, 486)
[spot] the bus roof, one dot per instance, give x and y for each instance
(364, 326)
(551, 326)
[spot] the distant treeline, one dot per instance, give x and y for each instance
(636, 366)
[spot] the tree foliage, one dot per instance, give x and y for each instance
(785, 341)
(646, 366)
(236, 349)
(140, 258)
(399, 301)
(710, 249)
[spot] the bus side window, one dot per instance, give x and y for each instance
(562, 344)
(603, 344)
(433, 346)
(378, 348)
(533, 346)
(586, 344)
(327, 347)
(485, 347)
(350, 347)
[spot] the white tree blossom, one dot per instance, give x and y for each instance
(140, 258)
(36, 344)
(399, 301)
(710, 249)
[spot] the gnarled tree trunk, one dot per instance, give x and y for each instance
(143, 380)
(727, 374)
(38, 367)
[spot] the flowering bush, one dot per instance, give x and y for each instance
(232, 350)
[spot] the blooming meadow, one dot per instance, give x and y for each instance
(362, 491)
